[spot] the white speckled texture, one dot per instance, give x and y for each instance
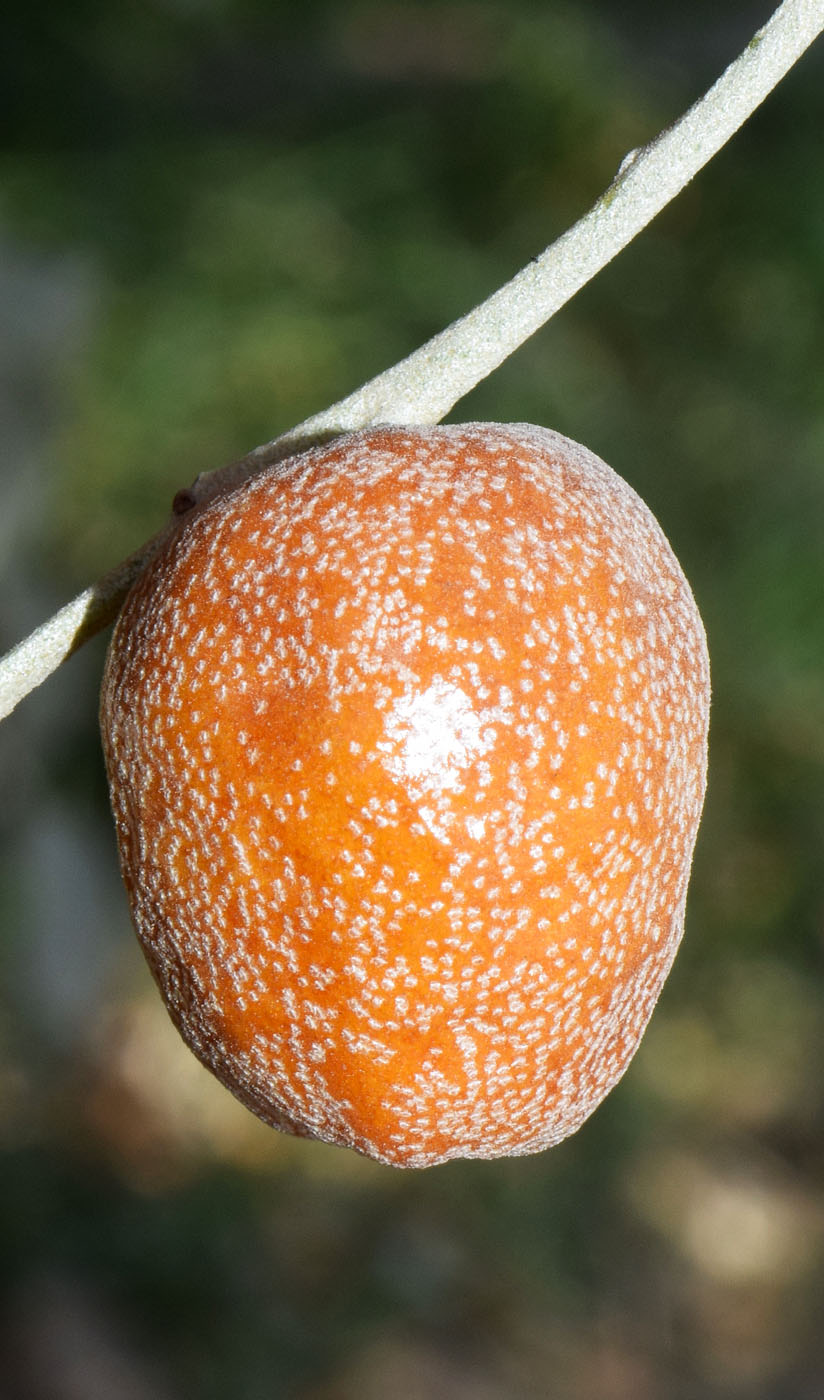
(406, 740)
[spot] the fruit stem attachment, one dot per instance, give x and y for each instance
(425, 386)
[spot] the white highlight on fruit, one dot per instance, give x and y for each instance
(432, 737)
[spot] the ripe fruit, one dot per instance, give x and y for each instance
(406, 740)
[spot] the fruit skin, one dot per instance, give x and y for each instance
(406, 741)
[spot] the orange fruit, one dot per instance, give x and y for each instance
(406, 740)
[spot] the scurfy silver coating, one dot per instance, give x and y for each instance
(406, 740)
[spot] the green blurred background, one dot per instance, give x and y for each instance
(217, 216)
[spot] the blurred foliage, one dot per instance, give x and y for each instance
(216, 216)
